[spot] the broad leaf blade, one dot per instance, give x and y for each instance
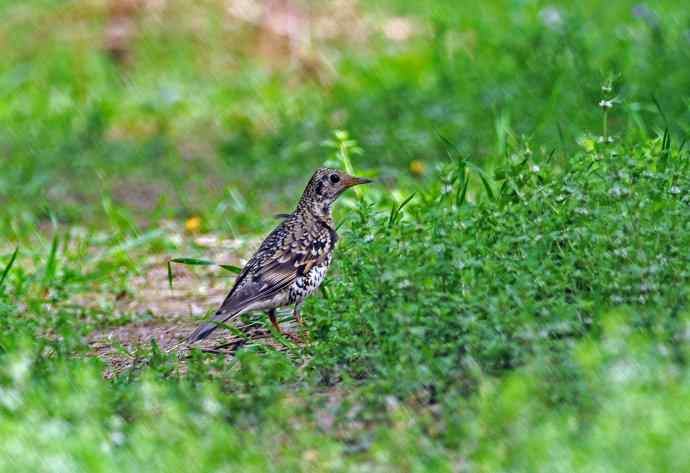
(231, 268)
(193, 261)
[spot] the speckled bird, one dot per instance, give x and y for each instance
(292, 261)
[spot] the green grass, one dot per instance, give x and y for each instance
(545, 325)
(513, 294)
(197, 125)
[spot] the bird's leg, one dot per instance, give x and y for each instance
(297, 314)
(274, 321)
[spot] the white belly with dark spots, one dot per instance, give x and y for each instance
(310, 282)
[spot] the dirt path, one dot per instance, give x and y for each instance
(151, 311)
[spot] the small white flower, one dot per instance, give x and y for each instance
(674, 190)
(18, 369)
(117, 438)
(618, 191)
(605, 104)
(211, 406)
(535, 168)
(404, 284)
(551, 17)
(624, 371)
(175, 239)
(621, 252)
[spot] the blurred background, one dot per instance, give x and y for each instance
(218, 109)
(512, 295)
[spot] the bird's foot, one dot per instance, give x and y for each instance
(291, 336)
(294, 337)
(304, 332)
(300, 321)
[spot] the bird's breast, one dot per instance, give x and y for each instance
(310, 281)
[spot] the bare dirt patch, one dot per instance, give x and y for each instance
(152, 312)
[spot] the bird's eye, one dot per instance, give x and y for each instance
(334, 178)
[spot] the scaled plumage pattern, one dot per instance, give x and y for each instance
(292, 261)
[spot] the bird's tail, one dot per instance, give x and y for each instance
(203, 331)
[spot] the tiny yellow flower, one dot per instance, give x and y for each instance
(417, 167)
(193, 224)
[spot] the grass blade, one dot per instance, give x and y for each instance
(231, 268)
(7, 269)
(342, 222)
(450, 147)
(198, 262)
(665, 150)
(170, 275)
(485, 182)
(460, 199)
(661, 111)
(550, 157)
(405, 202)
(561, 137)
(487, 186)
(391, 217)
(395, 212)
(51, 263)
(193, 261)
(130, 244)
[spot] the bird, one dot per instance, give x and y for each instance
(292, 260)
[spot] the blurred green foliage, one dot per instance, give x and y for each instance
(513, 296)
(198, 116)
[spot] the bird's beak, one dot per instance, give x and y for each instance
(350, 181)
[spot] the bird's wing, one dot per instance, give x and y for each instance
(278, 262)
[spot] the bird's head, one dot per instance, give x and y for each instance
(326, 185)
